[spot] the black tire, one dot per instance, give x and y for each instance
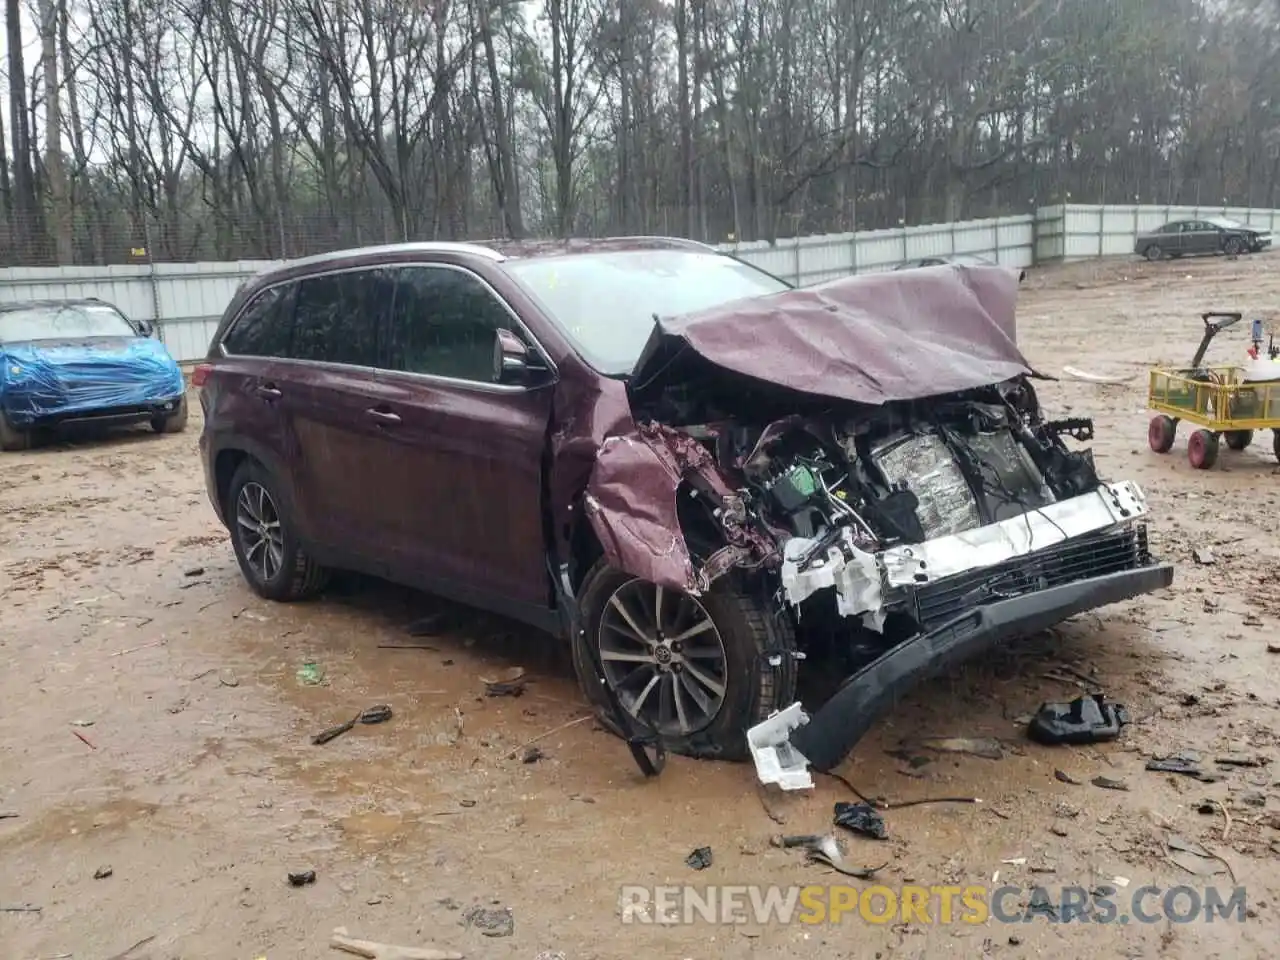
(1153, 252)
(750, 633)
(11, 438)
(1275, 443)
(174, 422)
(1233, 247)
(1238, 439)
(296, 576)
(1202, 449)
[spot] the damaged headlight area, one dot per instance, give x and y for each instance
(897, 538)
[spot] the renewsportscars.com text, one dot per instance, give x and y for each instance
(937, 904)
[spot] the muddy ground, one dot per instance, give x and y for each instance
(126, 624)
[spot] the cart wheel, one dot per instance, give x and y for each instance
(1239, 439)
(1160, 433)
(1202, 449)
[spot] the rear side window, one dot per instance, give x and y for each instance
(338, 316)
(443, 323)
(263, 329)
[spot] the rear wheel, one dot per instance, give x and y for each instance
(1153, 252)
(694, 670)
(265, 539)
(174, 422)
(1238, 439)
(11, 438)
(1202, 449)
(1161, 433)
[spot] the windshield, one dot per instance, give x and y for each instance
(606, 302)
(63, 321)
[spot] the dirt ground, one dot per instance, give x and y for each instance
(126, 623)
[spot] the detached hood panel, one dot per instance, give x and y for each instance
(870, 340)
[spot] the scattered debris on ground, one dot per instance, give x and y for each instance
(310, 673)
(1084, 720)
(103, 872)
(301, 878)
(510, 684)
(1203, 556)
(861, 818)
(1107, 783)
(1186, 763)
(373, 950)
(533, 755)
(988, 748)
(376, 714)
(1063, 777)
(700, 859)
(498, 922)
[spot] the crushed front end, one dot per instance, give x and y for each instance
(880, 467)
(899, 539)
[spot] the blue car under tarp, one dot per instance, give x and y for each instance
(75, 361)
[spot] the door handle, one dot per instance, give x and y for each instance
(269, 391)
(383, 416)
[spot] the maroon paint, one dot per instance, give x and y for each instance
(872, 339)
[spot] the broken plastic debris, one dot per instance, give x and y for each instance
(861, 818)
(776, 760)
(1083, 720)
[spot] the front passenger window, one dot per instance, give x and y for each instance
(443, 323)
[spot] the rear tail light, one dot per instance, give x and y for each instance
(200, 374)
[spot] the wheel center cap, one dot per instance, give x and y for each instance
(662, 653)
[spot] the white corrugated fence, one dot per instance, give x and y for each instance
(185, 300)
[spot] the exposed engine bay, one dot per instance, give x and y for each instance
(853, 490)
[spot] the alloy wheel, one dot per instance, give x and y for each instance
(258, 528)
(664, 657)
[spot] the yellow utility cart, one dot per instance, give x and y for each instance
(1227, 402)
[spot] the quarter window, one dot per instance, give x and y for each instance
(443, 323)
(264, 328)
(338, 316)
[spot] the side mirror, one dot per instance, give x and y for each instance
(512, 361)
(146, 328)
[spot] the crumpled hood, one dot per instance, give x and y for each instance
(870, 339)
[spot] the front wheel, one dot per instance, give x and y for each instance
(1153, 253)
(697, 671)
(11, 438)
(174, 422)
(1202, 449)
(1233, 247)
(265, 540)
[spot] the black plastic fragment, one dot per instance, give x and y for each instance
(302, 878)
(700, 859)
(1084, 720)
(861, 818)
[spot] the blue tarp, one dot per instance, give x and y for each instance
(42, 379)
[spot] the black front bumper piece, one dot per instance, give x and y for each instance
(843, 720)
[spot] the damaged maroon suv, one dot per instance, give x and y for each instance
(704, 479)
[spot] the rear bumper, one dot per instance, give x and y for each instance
(842, 721)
